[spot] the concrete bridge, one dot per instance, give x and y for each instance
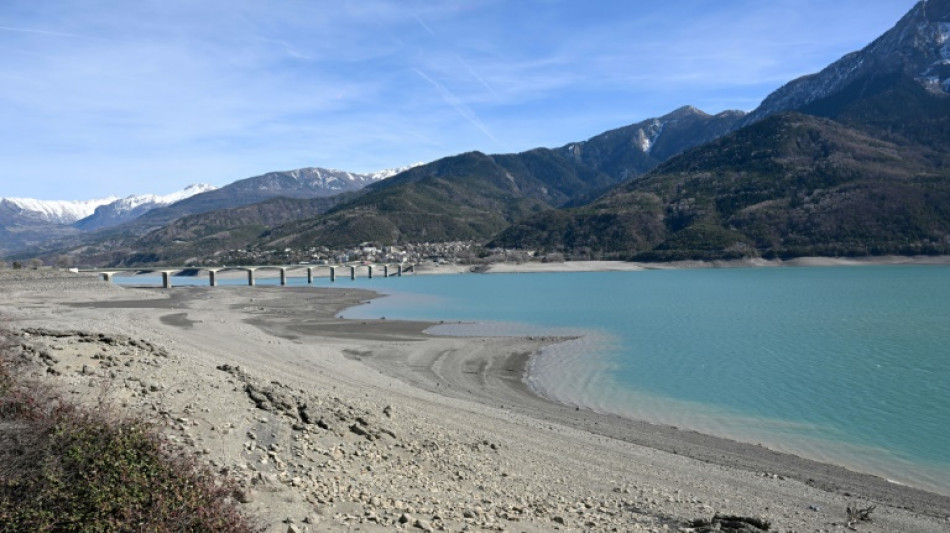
(387, 269)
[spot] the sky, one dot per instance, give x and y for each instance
(112, 97)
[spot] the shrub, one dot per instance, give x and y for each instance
(66, 468)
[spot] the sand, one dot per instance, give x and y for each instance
(334, 425)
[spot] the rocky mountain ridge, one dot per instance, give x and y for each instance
(918, 46)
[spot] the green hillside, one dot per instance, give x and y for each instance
(790, 185)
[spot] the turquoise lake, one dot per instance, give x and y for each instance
(849, 365)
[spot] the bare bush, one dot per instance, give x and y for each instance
(67, 468)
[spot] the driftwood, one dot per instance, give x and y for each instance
(856, 514)
(731, 524)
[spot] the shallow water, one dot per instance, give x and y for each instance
(847, 364)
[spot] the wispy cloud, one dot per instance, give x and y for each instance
(48, 33)
(463, 110)
(478, 77)
(104, 99)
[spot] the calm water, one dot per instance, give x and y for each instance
(848, 365)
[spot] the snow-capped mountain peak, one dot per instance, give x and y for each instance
(75, 211)
(153, 200)
(57, 211)
(390, 172)
(187, 192)
(131, 207)
(315, 181)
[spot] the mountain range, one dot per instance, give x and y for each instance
(39, 225)
(852, 160)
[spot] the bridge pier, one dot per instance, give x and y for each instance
(283, 277)
(352, 272)
(385, 271)
(399, 271)
(332, 274)
(166, 279)
(212, 278)
(309, 275)
(369, 269)
(107, 276)
(250, 277)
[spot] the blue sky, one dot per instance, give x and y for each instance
(101, 97)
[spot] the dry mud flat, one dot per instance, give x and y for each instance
(335, 425)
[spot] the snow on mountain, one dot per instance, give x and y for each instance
(341, 180)
(648, 134)
(132, 207)
(130, 203)
(73, 211)
(56, 211)
(390, 172)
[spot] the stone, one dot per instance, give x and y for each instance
(244, 495)
(361, 431)
(423, 525)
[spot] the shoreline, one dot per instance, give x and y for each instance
(454, 393)
(722, 451)
(512, 391)
(608, 419)
(625, 266)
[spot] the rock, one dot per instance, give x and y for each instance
(244, 495)
(307, 414)
(293, 529)
(405, 518)
(361, 431)
(423, 525)
(258, 397)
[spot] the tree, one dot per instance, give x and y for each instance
(36, 263)
(64, 261)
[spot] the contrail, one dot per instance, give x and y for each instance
(50, 33)
(424, 25)
(459, 106)
(476, 76)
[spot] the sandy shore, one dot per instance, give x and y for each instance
(334, 425)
